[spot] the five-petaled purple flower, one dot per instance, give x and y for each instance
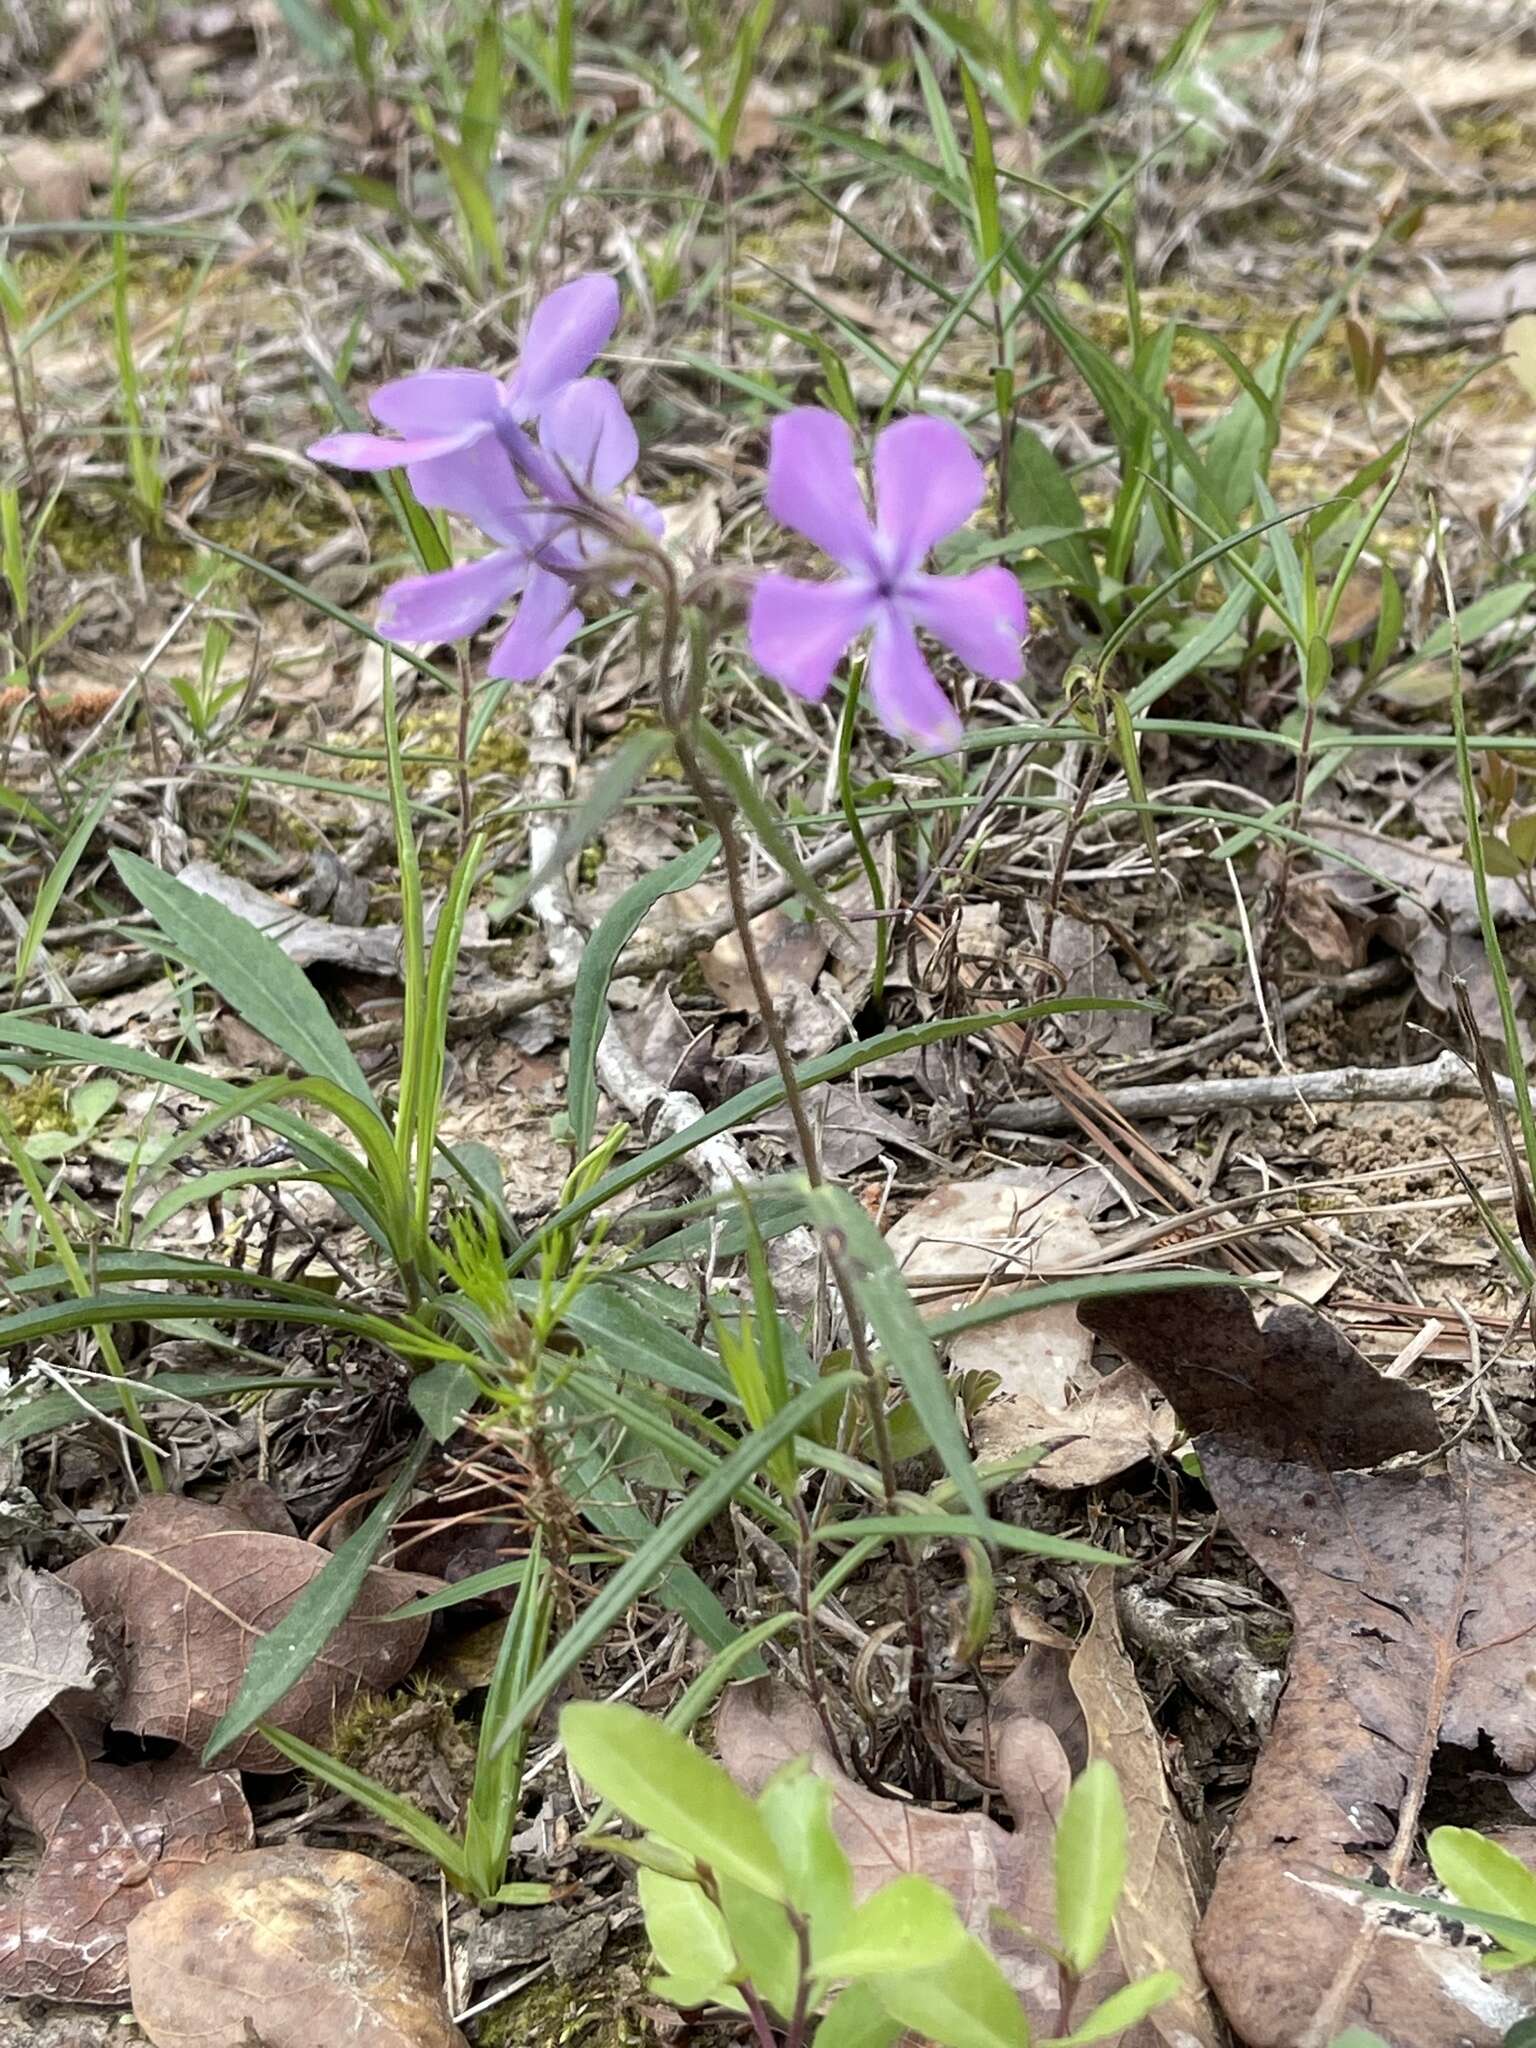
(927, 485)
(464, 440)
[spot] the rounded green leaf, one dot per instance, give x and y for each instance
(964, 2002)
(856, 2019)
(687, 1934)
(669, 1788)
(909, 1923)
(796, 1807)
(1477, 1872)
(1090, 1864)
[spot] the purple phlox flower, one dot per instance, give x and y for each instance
(542, 550)
(928, 483)
(441, 412)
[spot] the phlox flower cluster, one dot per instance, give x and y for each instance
(540, 462)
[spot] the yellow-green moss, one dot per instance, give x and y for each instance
(356, 1732)
(36, 1104)
(431, 740)
(593, 2014)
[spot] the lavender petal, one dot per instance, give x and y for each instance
(981, 617)
(907, 699)
(812, 485)
(452, 603)
(927, 483)
(564, 337)
(797, 631)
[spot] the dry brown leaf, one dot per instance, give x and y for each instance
(762, 1725)
(1084, 957)
(303, 1948)
(1111, 1425)
(45, 1646)
(1310, 911)
(1294, 1388)
(115, 1839)
(1160, 1904)
(997, 1234)
(50, 181)
(792, 950)
(991, 1236)
(1415, 1610)
(81, 58)
(309, 941)
(1415, 1625)
(192, 1588)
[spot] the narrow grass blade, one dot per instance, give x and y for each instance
(667, 1542)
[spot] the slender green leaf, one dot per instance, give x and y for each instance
(589, 999)
(418, 1828)
(41, 1414)
(884, 1298)
(55, 882)
(767, 825)
(281, 1658)
(751, 1102)
(250, 971)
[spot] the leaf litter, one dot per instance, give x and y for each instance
(1413, 1595)
(190, 1589)
(115, 1837)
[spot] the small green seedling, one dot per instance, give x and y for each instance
(749, 1904)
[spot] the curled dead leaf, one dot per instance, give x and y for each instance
(1160, 1904)
(192, 1588)
(115, 1838)
(45, 1646)
(304, 1947)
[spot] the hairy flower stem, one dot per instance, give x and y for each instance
(462, 763)
(679, 712)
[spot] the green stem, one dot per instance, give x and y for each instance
(856, 833)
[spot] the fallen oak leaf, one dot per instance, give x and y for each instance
(45, 1646)
(1415, 1613)
(1297, 1385)
(307, 1947)
(193, 1588)
(115, 1838)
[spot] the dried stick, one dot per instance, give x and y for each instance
(1433, 1081)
